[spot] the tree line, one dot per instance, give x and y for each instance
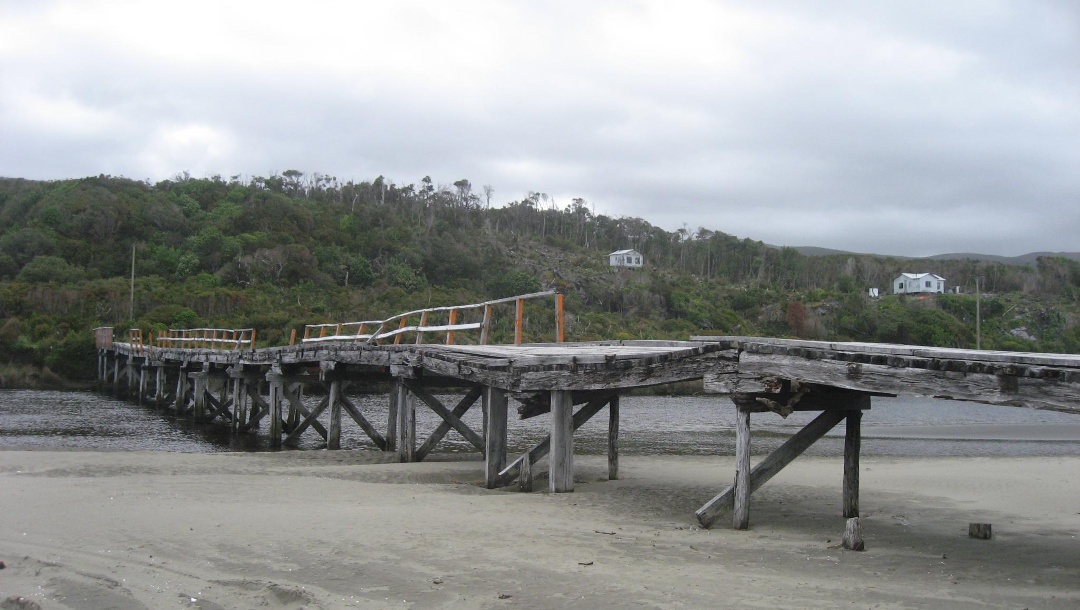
(289, 249)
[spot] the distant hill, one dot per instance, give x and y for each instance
(1024, 259)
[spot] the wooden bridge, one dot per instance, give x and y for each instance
(219, 375)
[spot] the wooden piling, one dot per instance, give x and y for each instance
(180, 400)
(333, 440)
(613, 438)
(852, 443)
(406, 421)
(495, 407)
(741, 518)
(160, 382)
(561, 459)
(277, 382)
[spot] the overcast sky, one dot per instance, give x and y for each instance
(896, 127)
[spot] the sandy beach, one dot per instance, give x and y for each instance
(347, 529)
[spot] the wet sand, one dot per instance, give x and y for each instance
(318, 529)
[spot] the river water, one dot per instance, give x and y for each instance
(652, 425)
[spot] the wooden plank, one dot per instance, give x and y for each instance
(790, 346)
(433, 403)
(1053, 391)
(444, 426)
(561, 460)
(767, 469)
(495, 405)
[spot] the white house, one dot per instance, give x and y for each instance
(917, 283)
(625, 258)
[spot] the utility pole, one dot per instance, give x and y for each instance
(131, 315)
(978, 315)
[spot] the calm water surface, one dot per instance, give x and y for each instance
(695, 425)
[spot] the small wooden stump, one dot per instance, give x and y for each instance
(980, 531)
(853, 535)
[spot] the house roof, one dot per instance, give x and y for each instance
(919, 276)
(624, 252)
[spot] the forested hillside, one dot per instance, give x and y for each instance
(275, 253)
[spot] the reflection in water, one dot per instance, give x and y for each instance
(695, 425)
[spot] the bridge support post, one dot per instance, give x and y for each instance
(333, 438)
(132, 383)
(180, 400)
(160, 380)
(561, 460)
(852, 447)
(405, 407)
(613, 438)
(741, 518)
(392, 416)
(143, 381)
(199, 380)
(495, 405)
(277, 382)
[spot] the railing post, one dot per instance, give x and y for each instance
(292, 336)
(423, 323)
(450, 333)
(519, 315)
(560, 321)
(397, 337)
(485, 328)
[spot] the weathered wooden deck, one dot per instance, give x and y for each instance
(243, 387)
(226, 383)
(840, 379)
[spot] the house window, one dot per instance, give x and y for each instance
(900, 286)
(629, 259)
(927, 283)
(637, 260)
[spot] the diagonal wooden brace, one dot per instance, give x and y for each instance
(584, 414)
(771, 465)
(450, 419)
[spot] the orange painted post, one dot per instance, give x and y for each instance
(485, 327)
(322, 331)
(450, 333)
(253, 337)
(519, 316)
(360, 330)
(423, 323)
(292, 336)
(560, 321)
(337, 331)
(397, 338)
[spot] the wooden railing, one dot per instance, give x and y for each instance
(212, 338)
(423, 321)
